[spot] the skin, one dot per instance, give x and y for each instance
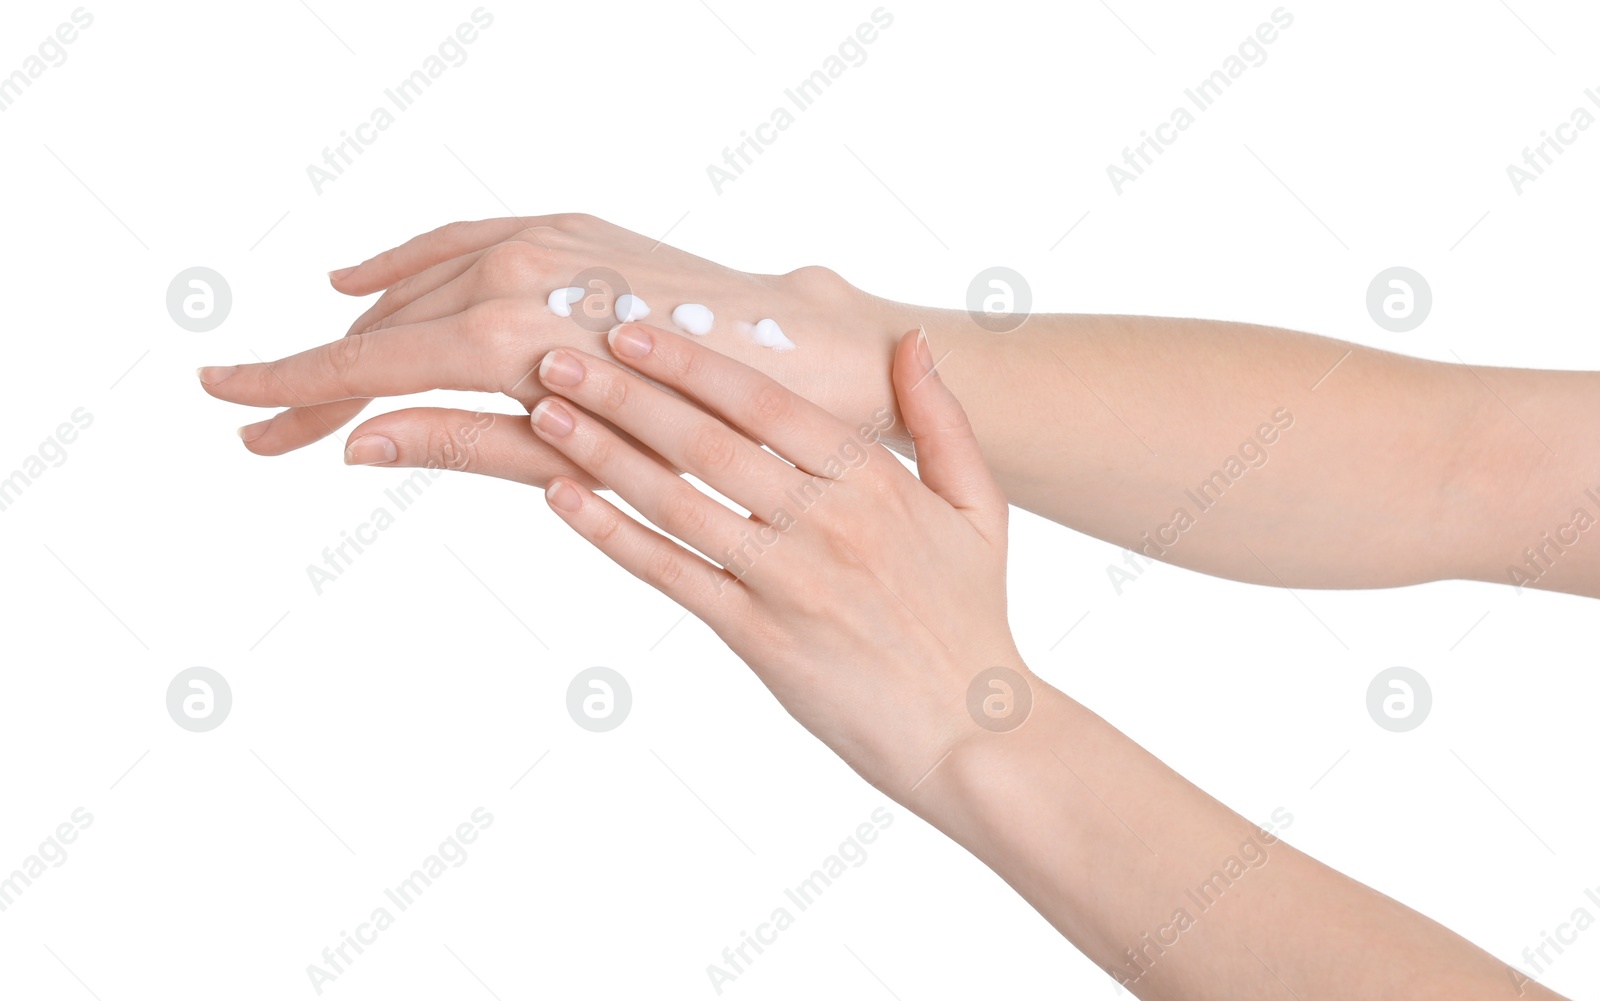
(1098, 422)
(873, 599)
(848, 616)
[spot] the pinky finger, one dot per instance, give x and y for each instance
(711, 593)
(298, 427)
(466, 441)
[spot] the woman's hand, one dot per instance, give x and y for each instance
(866, 599)
(466, 309)
(869, 602)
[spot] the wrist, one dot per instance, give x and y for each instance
(999, 742)
(848, 371)
(1016, 801)
(857, 333)
(956, 344)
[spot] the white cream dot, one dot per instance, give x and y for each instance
(630, 307)
(561, 300)
(768, 334)
(694, 318)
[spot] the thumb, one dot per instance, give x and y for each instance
(948, 458)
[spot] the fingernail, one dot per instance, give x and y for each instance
(562, 496)
(250, 432)
(560, 369)
(370, 450)
(334, 276)
(924, 355)
(629, 341)
(215, 374)
(552, 418)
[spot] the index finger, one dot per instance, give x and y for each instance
(422, 252)
(794, 427)
(456, 352)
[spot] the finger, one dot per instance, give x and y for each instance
(454, 296)
(711, 593)
(467, 351)
(507, 270)
(794, 427)
(408, 290)
(662, 496)
(686, 436)
(298, 427)
(499, 445)
(422, 252)
(457, 285)
(948, 457)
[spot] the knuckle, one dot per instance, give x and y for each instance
(615, 388)
(711, 448)
(815, 278)
(573, 222)
(663, 569)
(771, 404)
(601, 452)
(846, 540)
(682, 360)
(542, 235)
(606, 527)
(683, 513)
(496, 347)
(883, 487)
(509, 264)
(343, 359)
(451, 449)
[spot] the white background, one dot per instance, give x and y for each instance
(370, 720)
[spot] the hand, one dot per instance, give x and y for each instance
(466, 309)
(864, 598)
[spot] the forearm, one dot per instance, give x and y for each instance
(1278, 457)
(1169, 891)
(1241, 451)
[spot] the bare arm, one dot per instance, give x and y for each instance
(1242, 451)
(1173, 894)
(905, 666)
(1283, 458)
